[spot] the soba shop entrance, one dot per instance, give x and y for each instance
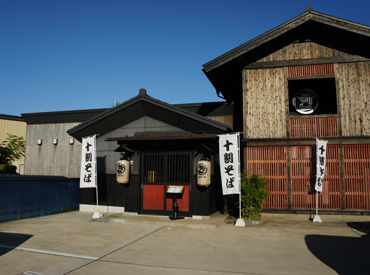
(158, 171)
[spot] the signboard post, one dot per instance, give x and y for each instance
(174, 191)
(229, 150)
(88, 175)
(320, 172)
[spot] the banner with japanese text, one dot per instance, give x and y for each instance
(229, 150)
(320, 163)
(88, 163)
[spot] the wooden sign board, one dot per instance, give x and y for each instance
(175, 189)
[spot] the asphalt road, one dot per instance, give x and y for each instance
(72, 243)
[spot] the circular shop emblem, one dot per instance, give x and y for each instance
(305, 101)
(202, 169)
(120, 168)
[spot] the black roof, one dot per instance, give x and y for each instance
(208, 108)
(225, 71)
(61, 116)
(144, 105)
(202, 108)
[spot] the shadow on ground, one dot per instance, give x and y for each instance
(345, 255)
(10, 240)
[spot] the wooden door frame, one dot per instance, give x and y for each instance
(165, 183)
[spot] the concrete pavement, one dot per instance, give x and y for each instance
(72, 243)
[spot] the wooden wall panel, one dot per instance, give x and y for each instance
(353, 90)
(264, 98)
(305, 50)
(312, 127)
(271, 163)
(153, 197)
(228, 120)
(49, 159)
(357, 176)
(303, 177)
(319, 70)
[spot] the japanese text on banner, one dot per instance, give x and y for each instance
(320, 163)
(229, 163)
(88, 163)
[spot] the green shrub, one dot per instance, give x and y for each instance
(8, 169)
(11, 149)
(253, 194)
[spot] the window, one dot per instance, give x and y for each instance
(312, 96)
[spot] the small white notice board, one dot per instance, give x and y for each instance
(175, 189)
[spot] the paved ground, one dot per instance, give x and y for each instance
(71, 243)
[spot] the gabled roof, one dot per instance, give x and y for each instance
(323, 29)
(144, 105)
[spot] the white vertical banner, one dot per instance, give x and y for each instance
(229, 150)
(88, 163)
(320, 163)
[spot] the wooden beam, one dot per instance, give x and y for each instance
(305, 141)
(299, 62)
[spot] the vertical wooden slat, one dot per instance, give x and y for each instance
(271, 163)
(311, 70)
(313, 127)
(303, 176)
(357, 176)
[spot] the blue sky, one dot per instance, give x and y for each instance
(60, 55)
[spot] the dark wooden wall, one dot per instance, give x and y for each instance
(203, 200)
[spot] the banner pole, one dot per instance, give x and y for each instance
(97, 198)
(97, 214)
(317, 202)
(317, 217)
(240, 185)
(96, 182)
(239, 222)
(240, 205)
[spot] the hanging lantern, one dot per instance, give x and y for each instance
(123, 171)
(204, 173)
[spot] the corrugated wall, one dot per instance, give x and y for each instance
(25, 197)
(14, 127)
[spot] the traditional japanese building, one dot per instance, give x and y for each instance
(307, 78)
(162, 142)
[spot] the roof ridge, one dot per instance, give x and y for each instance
(151, 100)
(280, 29)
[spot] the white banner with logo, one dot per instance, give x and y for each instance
(229, 150)
(320, 163)
(88, 163)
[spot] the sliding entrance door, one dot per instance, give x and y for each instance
(158, 170)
